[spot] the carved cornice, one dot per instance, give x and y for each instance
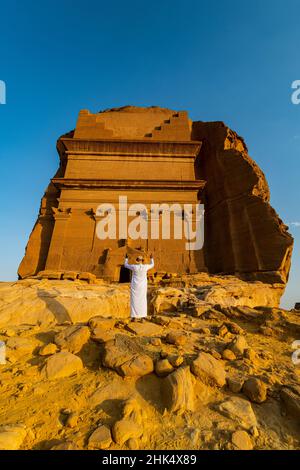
(119, 147)
(131, 185)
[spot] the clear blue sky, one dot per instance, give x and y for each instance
(228, 60)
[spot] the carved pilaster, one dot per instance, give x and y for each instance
(61, 217)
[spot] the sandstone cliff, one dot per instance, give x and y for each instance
(243, 233)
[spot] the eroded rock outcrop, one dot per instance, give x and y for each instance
(34, 302)
(138, 389)
(243, 233)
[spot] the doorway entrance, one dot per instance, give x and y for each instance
(124, 274)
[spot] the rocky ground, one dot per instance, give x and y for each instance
(202, 372)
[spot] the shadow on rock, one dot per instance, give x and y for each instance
(112, 407)
(149, 387)
(59, 311)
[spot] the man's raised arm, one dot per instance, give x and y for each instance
(151, 265)
(126, 264)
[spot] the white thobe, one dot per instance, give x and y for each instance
(138, 288)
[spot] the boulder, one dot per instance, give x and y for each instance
(241, 440)
(240, 411)
(133, 444)
(62, 364)
(131, 424)
(291, 399)
(126, 357)
(163, 367)
(48, 349)
(166, 299)
(49, 274)
(176, 337)
(102, 336)
(19, 347)
(72, 420)
(100, 438)
(234, 328)
(137, 366)
(223, 331)
(12, 436)
(177, 391)
(235, 384)
(72, 338)
(255, 390)
(238, 345)
(250, 354)
(209, 370)
(175, 360)
(117, 352)
(126, 429)
(228, 355)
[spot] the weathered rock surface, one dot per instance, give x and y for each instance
(255, 390)
(131, 424)
(163, 367)
(228, 355)
(20, 346)
(62, 364)
(45, 302)
(241, 440)
(137, 366)
(254, 242)
(48, 349)
(12, 436)
(144, 329)
(65, 445)
(102, 323)
(72, 338)
(291, 399)
(238, 345)
(235, 384)
(178, 391)
(102, 336)
(239, 410)
(178, 411)
(178, 338)
(33, 301)
(100, 438)
(126, 429)
(72, 420)
(209, 370)
(126, 357)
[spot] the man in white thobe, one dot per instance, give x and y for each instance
(138, 286)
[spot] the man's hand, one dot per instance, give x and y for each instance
(151, 256)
